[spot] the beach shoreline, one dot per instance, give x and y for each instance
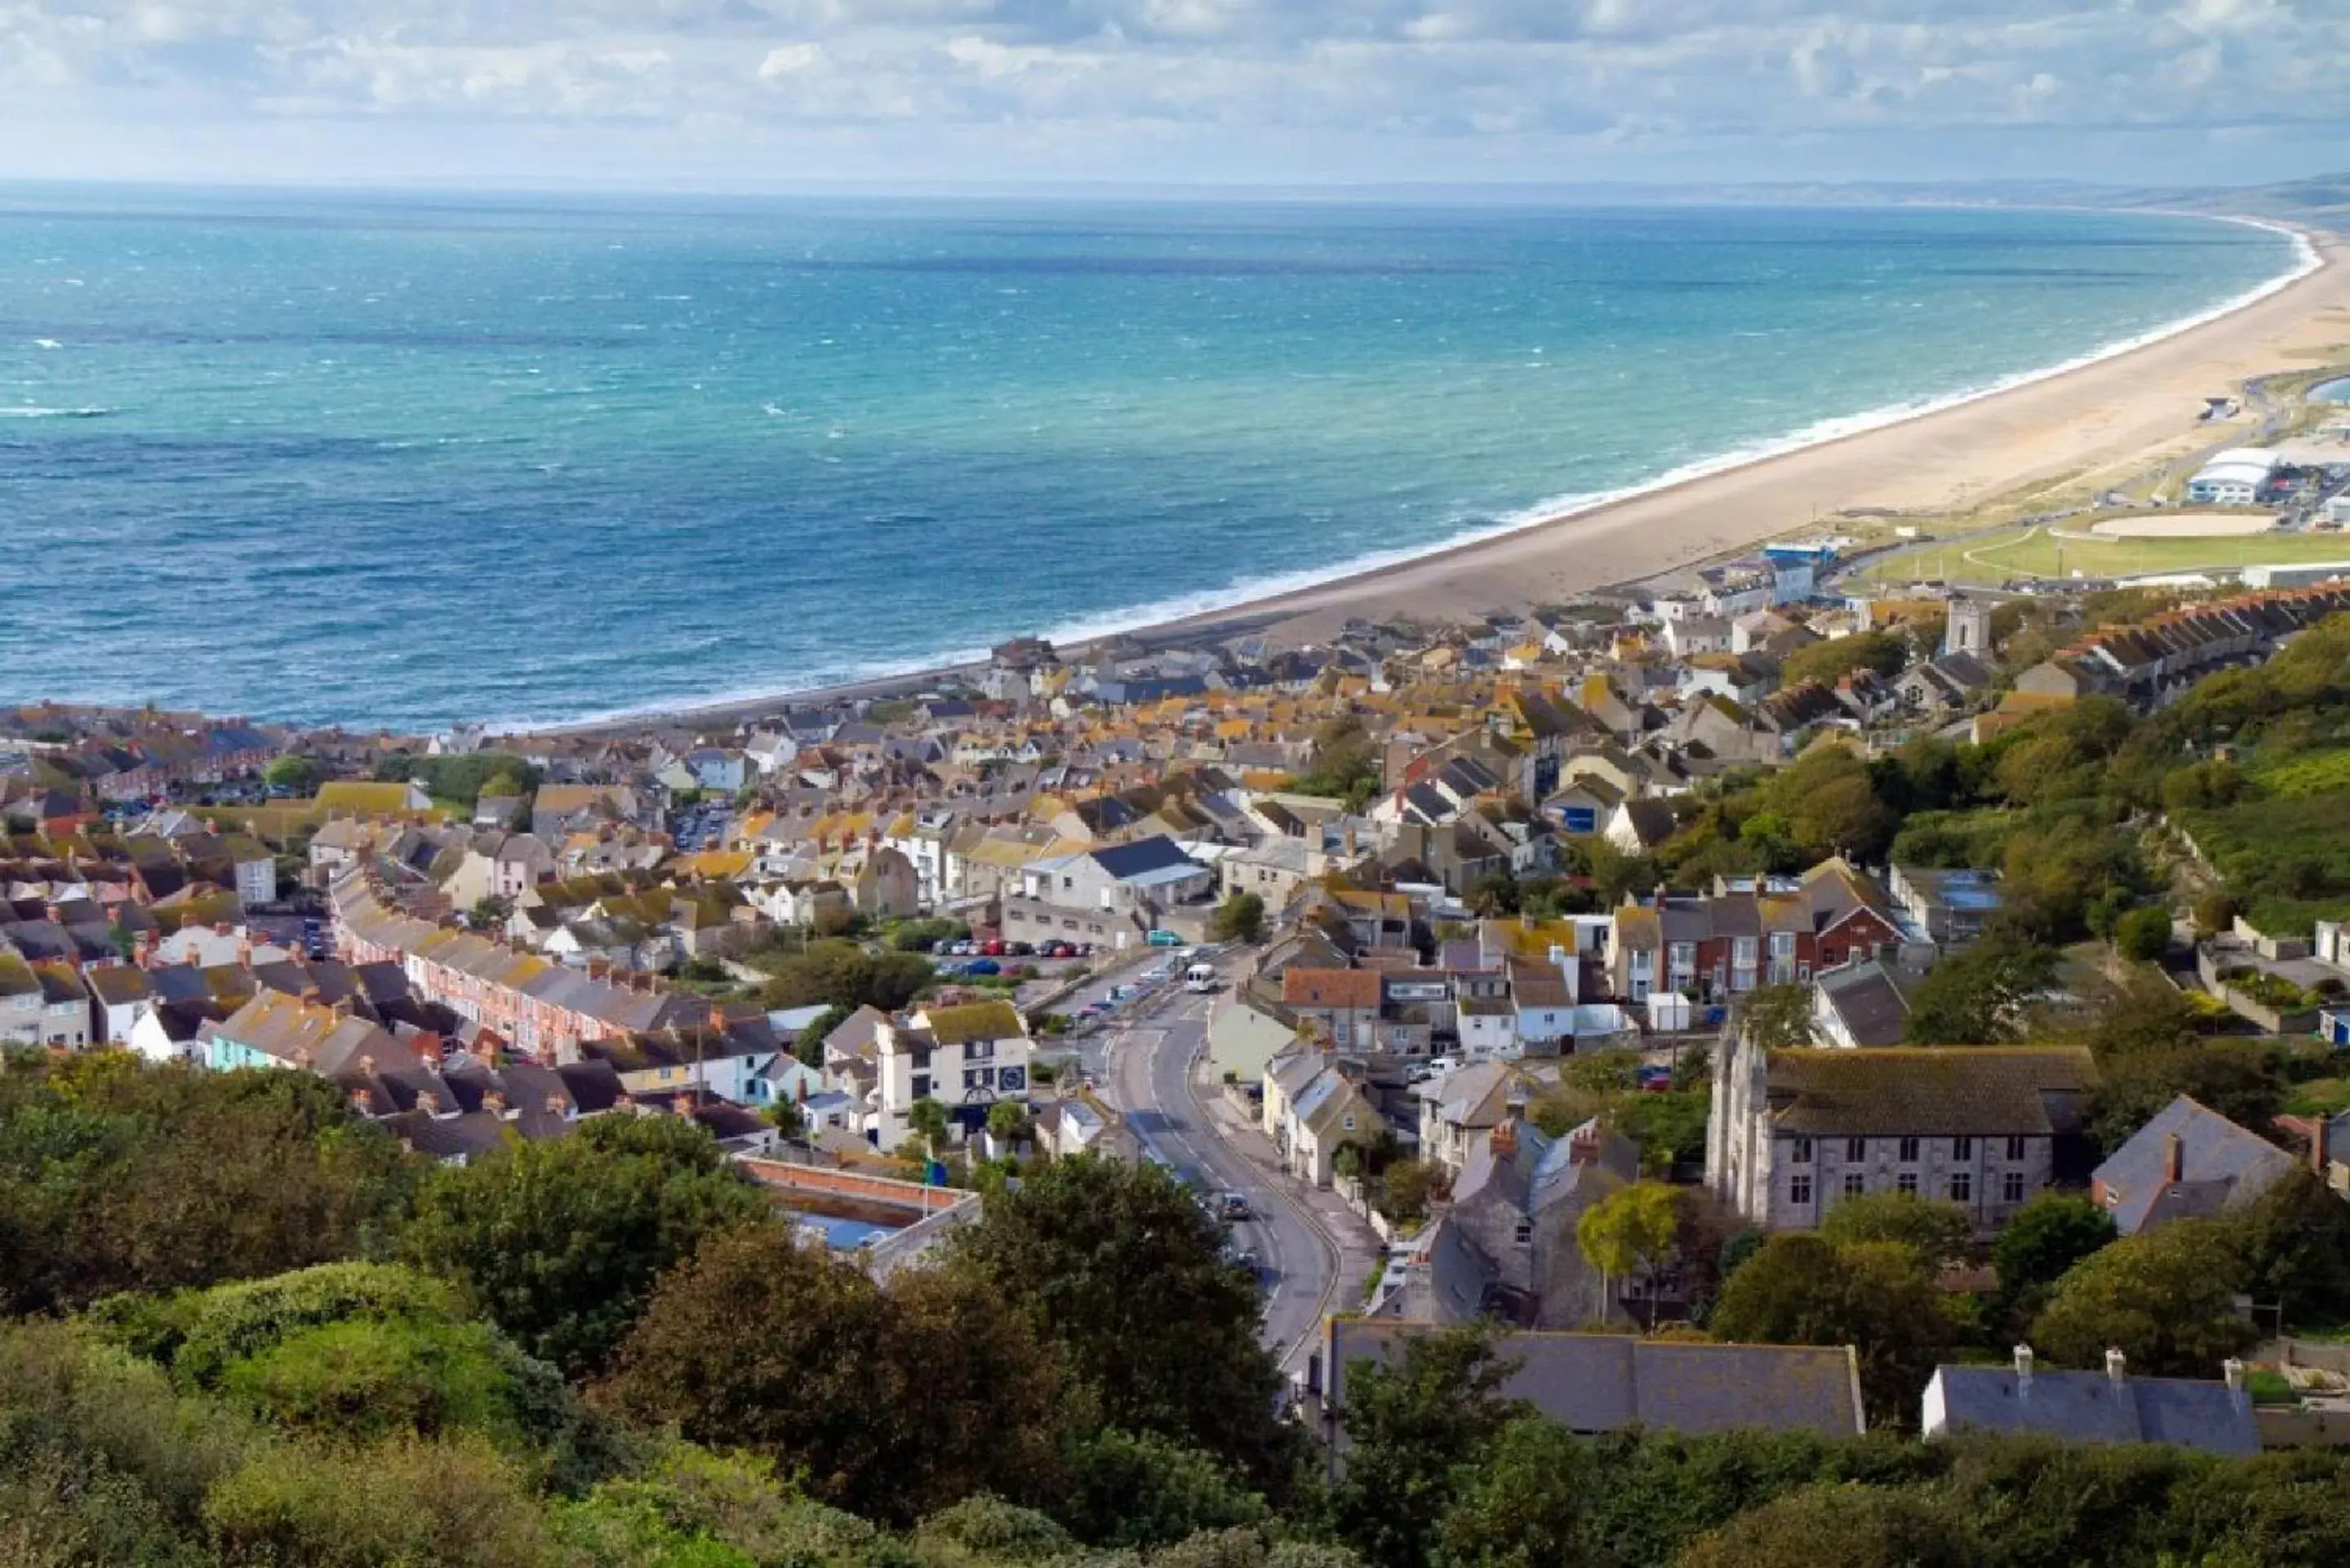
(2082, 415)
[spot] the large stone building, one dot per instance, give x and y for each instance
(1792, 1133)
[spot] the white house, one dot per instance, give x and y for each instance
(966, 1058)
(2234, 477)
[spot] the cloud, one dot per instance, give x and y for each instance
(1566, 74)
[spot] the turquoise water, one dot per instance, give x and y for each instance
(2331, 391)
(410, 459)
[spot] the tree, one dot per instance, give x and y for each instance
(119, 1176)
(1239, 918)
(2294, 1240)
(2165, 1298)
(1937, 1230)
(1417, 1429)
(1407, 1186)
(1833, 1526)
(1977, 995)
(561, 1242)
(1629, 1232)
(1877, 1296)
(1126, 1276)
(808, 1044)
(1779, 1016)
(2214, 912)
(842, 974)
(2241, 1079)
(2143, 935)
(1129, 1490)
(295, 775)
(2045, 1239)
(1524, 1504)
(1008, 1122)
(927, 1119)
(887, 1401)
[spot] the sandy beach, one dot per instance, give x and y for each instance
(2131, 405)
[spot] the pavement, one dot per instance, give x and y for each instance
(1316, 1254)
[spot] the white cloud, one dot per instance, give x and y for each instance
(1088, 74)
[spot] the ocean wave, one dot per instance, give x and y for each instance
(35, 411)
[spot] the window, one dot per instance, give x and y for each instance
(1782, 944)
(921, 1085)
(1855, 1184)
(921, 1062)
(1909, 1151)
(1802, 1151)
(1907, 1184)
(1800, 1190)
(1962, 1148)
(1525, 1232)
(1743, 952)
(2015, 1148)
(1962, 1187)
(1855, 1149)
(2010, 1189)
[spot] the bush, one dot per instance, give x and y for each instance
(2143, 935)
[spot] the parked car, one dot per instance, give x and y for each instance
(983, 965)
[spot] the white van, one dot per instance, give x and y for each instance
(1200, 977)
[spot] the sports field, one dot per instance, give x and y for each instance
(2035, 553)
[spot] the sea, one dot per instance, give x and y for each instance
(413, 459)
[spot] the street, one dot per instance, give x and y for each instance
(1310, 1250)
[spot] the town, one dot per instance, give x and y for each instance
(1931, 999)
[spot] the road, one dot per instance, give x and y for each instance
(1146, 1069)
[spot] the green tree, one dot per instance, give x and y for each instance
(1523, 1503)
(887, 1401)
(119, 1176)
(1417, 1429)
(1630, 1232)
(1877, 1296)
(295, 775)
(2143, 935)
(1977, 996)
(559, 1242)
(1407, 1186)
(2045, 1239)
(1937, 1230)
(808, 1044)
(2294, 1240)
(1832, 1526)
(1779, 1016)
(837, 973)
(2241, 1079)
(2165, 1298)
(1239, 918)
(927, 1119)
(1008, 1121)
(1127, 1276)
(1126, 1489)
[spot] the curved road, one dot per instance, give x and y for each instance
(1149, 1073)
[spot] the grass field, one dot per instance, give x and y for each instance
(2033, 552)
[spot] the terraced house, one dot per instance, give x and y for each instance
(537, 1006)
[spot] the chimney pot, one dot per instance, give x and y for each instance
(2023, 1362)
(2174, 1158)
(2232, 1371)
(2116, 1366)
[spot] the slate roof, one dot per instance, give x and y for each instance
(1982, 1091)
(1871, 1005)
(1160, 853)
(2222, 1166)
(2095, 1407)
(1605, 1382)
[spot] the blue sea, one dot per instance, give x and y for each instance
(406, 460)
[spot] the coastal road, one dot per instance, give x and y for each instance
(1308, 1258)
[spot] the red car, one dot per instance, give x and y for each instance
(993, 949)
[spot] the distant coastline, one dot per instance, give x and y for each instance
(1433, 582)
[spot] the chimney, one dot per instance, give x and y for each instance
(2116, 1366)
(2233, 1372)
(367, 1065)
(2024, 1365)
(1503, 1139)
(2174, 1158)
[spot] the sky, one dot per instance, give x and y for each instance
(794, 94)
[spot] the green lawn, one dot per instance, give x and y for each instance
(2304, 773)
(2032, 553)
